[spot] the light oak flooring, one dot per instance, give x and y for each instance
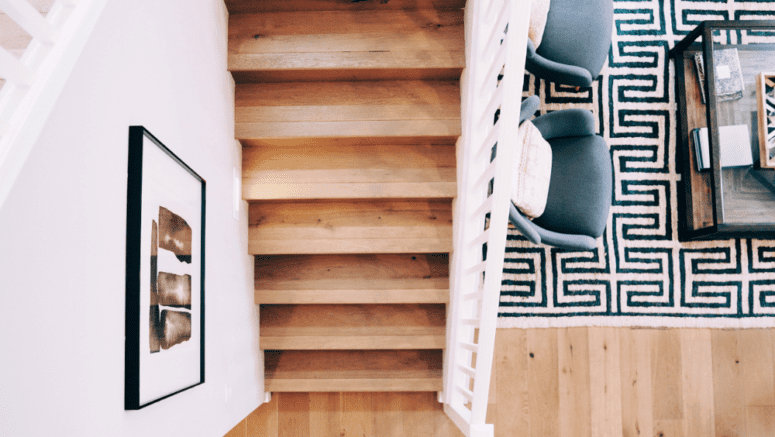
(571, 382)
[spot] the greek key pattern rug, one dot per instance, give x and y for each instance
(640, 274)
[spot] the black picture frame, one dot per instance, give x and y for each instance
(162, 354)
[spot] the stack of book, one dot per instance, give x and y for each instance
(734, 150)
(729, 74)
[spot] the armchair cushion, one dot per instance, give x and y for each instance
(539, 9)
(530, 186)
(580, 188)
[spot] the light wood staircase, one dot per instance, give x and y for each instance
(348, 113)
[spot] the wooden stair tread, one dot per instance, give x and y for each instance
(246, 6)
(346, 45)
(356, 226)
(318, 279)
(320, 171)
(354, 370)
(398, 108)
(405, 326)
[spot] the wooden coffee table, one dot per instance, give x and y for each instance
(727, 202)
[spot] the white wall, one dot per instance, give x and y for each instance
(161, 64)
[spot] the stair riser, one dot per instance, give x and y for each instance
(351, 296)
(353, 342)
(366, 385)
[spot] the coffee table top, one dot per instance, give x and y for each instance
(734, 198)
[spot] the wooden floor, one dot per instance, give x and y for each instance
(571, 382)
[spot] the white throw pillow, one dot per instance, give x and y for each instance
(539, 10)
(532, 171)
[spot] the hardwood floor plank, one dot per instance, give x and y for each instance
(669, 428)
(293, 414)
(760, 421)
(697, 376)
(667, 376)
(325, 414)
(636, 385)
(388, 419)
(605, 382)
(543, 382)
(573, 360)
(756, 346)
(512, 403)
(357, 416)
(417, 414)
(264, 420)
(728, 384)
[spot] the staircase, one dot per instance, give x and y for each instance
(348, 113)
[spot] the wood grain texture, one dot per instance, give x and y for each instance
(702, 215)
(264, 421)
(340, 45)
(410, 326)
(350, 370)
(697, 373)
(293, 412)
(636, 385)
(389, 278)
(543, 382)
(246, 6)
(605, 382)
(348, 171)
(697, 381)
(728, 385)
(347, 142)
(325, 414)
(574, 385)
(337, 227)
(409, 108)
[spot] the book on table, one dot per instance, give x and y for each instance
(735, 147)
(728, 72)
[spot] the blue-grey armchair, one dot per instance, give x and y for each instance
(575, 42)
(580, 186)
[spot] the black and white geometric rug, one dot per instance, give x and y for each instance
(640, 274)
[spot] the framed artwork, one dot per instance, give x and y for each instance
(165, 306)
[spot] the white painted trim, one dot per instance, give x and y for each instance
(480, 98)
(29, 19)
(12, 70)
(23, 114)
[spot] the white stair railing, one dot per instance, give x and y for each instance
(33, 82)
(494, 78)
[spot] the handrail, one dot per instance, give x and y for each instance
(33, 82)
(498, 46)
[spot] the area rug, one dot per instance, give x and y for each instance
(640, 274)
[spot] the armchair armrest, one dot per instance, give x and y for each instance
(554, 71)
(528, 108)
(538, 235)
